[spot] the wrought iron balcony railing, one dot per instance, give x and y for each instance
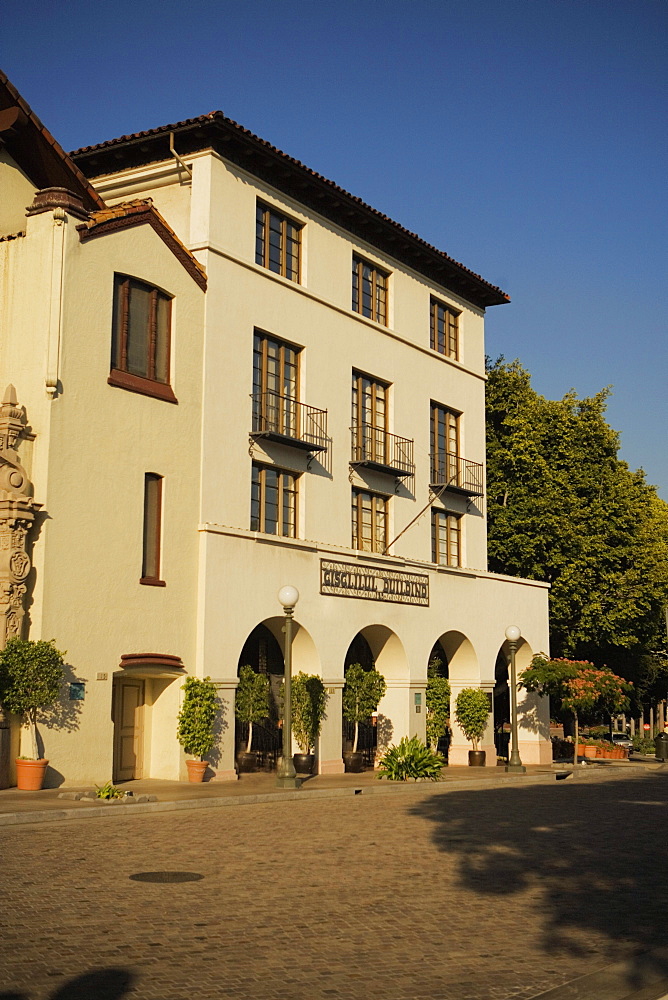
(457, 474)
(377, 449)
(282, 419)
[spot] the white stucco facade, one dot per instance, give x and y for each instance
(90, 444)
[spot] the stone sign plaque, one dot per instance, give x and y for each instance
(372, 583)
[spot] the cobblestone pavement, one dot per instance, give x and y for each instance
(504, 892)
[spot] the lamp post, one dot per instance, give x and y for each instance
(286, 776)
(514, 763)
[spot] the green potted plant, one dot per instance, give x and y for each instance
(472, 715)
(196, 721)
(362, 693)
(31, 677)
(308, 710)
(251, 705)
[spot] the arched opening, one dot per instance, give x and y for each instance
(263, 653)
(501, 705)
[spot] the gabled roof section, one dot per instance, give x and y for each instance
(242, 147)
(140, 212)
(35, 150)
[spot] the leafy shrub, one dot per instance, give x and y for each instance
(308, 709)
(31, 676)
(362, 693)
(644, 745)
(472, 714)
(410, 759)
(197, 717)
(252, 699)
(108, 791)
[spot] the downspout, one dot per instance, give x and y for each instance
(178, 159)
(56, 301)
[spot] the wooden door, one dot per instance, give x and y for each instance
(128, 728)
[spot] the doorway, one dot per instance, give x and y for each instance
(128, 719)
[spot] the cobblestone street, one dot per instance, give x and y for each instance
(466, 895)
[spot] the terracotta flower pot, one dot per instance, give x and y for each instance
(581, 749)
(30, 774)
(196, 769)
(590, 750)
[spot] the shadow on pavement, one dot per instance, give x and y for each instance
(105, 984)
(594, 853)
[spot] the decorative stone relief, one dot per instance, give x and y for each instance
(17, 514)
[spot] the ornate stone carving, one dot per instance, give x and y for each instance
(17, 514)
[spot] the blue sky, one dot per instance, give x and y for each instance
(526, 139)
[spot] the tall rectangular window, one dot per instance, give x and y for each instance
(141, 338)
(444, 444)
(369, 290)
(369, 521)
(446, 538)
(273, 501)
(277, 242)
(369, 418)
(275, 385)
(444, 330)
(150, 572)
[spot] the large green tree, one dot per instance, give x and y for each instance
(562, 507)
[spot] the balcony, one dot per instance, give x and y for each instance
(377, 449)
(284, 420)
(457, 474)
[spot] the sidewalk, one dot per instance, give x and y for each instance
(50, 804)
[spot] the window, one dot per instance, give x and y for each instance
(275, 385)
(150, 572)
(444, 330)
(141, 338)
(274, 501)
(277, 242)
(446, 538)
(369, 419)
(369, 290)
(369, 521)
(444, 444)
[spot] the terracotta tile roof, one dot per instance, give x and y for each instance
(235, 142)
(137, 212)
(37, 152)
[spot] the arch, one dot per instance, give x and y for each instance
(263, 651)
(460, 655)
(386, 648)
(438, 660)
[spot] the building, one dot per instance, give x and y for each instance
(240, 376)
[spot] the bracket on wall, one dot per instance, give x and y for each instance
(251, 445)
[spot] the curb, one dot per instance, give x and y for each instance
(445, 787)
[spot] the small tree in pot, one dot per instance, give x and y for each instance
(362, 693)
(472, 715)
(251, 705)
(31, 677)
(438, 705)
(308, 710)
(196, 721)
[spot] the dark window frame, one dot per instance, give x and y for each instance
(378, 281)
(379, 506)
(446, 529)
(285, 489)
(444, 325)
(445, 424)
(288, 261)
(152, 531)
(121, 376)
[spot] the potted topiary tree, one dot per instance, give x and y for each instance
(308, 710)
(438, 705)
(31, 677)
(472, 715)
(362, 693)
(251, 705)
(196, 721)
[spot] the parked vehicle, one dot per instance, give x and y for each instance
(622, 740)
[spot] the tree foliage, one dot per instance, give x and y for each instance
(252, 699)
(472, 714)
(197, 716)
(308, 709)
(31, 677)
(362, 693)
(438, 704)
(563, 508)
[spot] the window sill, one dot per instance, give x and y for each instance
(144, 386)
(147, 581)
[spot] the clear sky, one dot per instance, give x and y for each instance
(526, 138)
